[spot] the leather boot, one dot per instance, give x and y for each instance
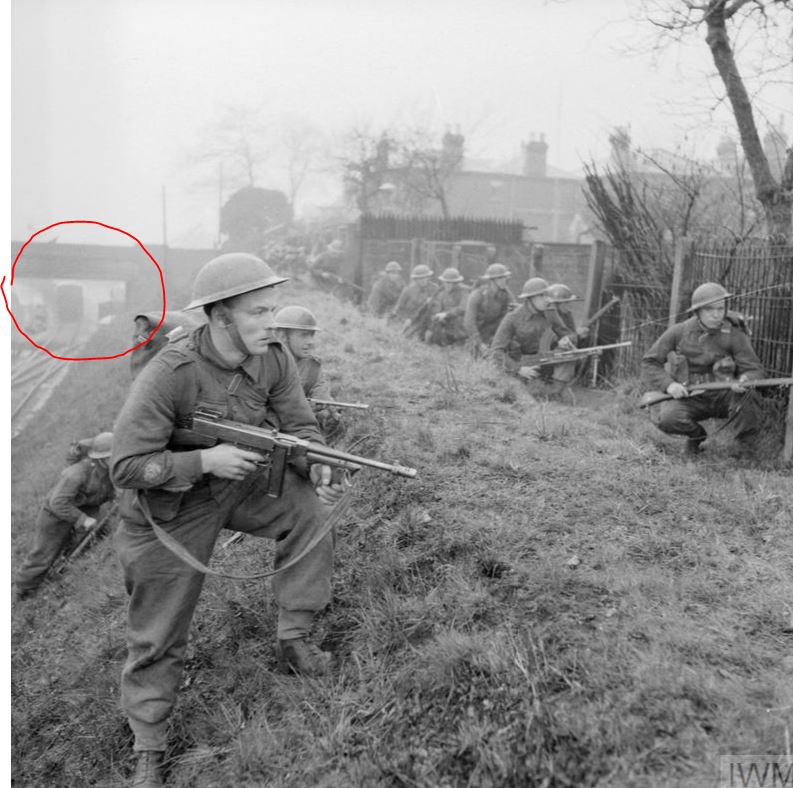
(303, 657)
(694, 442)
(148, 772)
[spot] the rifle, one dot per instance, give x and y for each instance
(86, 541)
(418, 319)
(653, 397)
(565, 356)
(329, 403)
(602, 311)
(281, 447)
(336, 279)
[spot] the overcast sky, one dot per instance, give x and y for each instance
(111, 98)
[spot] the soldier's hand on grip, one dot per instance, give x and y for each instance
(230, 462)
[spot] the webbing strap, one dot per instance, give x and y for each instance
(180, 551)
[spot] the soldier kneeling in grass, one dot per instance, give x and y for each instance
(71, 506)
(516, 344)
(296, 328)
(705, 348)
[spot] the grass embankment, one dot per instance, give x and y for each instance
(558, 599)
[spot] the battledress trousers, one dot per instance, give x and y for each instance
(153, 454)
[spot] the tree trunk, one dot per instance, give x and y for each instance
(777, 203)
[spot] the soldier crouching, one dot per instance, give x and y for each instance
(704, 348)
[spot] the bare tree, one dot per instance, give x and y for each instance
(302, 146)
(365, 161)
(239, 142)
(426, 169)
(721, 18)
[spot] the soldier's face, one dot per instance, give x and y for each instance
(540, 302)
(500, 282)
(301, 343)
(712, 315)
(252, 314)
(393, 275)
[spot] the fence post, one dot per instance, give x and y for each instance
(681, 278)
(414, 252)
(787, 451)
(594, 284)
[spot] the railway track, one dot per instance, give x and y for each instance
(35, 376)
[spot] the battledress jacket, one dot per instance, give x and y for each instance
(82, 484)
(153, 450)
(312, 379)
(701, 348)
(413, 298)
(520, 332)
(484, 311)
(385, 293)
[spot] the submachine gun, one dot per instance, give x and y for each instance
(280, 448)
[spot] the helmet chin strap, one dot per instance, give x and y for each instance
(231, 329)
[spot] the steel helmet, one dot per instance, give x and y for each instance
(496, 271)
(231, 275)
(534, 287)
(561, 294)
(296, 317)
(451, 275)
(101, 446)
(393, 267)
(706, 294)
(421, 272)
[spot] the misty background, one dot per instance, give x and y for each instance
(119, 108)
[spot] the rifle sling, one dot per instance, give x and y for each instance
(180, 551)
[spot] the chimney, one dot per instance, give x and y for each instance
(727, 153)
(621, 155)
(535, 155)
(775, 143)
(453, 150)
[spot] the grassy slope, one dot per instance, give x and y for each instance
(470, 650)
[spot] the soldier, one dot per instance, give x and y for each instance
(296, 328)
(386, 289)
(486, 308)
(559, 296)
(446, 311)
(414, 300)
(518, 336)
(325, 268)
(232, 365)
(705, 347)
(72, 505)
(174, 325)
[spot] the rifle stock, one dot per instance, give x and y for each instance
(654, 397)
(602, 311)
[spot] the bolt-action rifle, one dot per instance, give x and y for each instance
(329, 403)
(602, 311)
(91, 536)
(565, 356)
(694, 389)
(279, 448)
